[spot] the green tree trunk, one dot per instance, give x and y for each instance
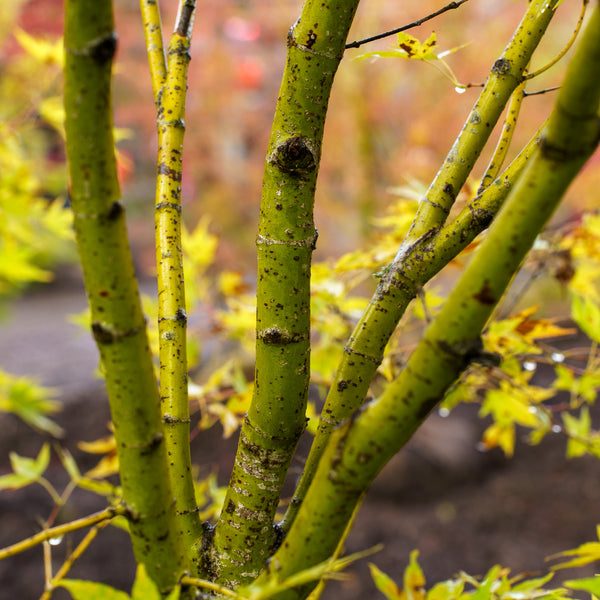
(426, 249)
(354, 440)
(118, 324)
(362, 445)
(245, 535)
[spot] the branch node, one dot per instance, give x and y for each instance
(173, 174)
(373, 359)
(101, 49)
(279, 337)
(106, 334)
(172, 419)
(501, 66)
(310, 242)
(470, 351)
(172, 205)
(295, 156)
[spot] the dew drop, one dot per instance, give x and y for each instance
(460, 90)
(443, 412)
(55, 541)
(556, 428)
(529, 365)
(558, 357)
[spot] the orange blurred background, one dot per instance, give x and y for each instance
(390, 121)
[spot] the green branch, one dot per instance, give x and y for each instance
(508, 129)
(359, 449)
(55, 532)
(172, 319)
(506, 74)
(154, 44)
(244, 536)
(410, 271)
(422, 257)
(118, 323)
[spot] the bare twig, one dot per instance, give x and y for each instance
(53, 582)
(540, 92)
(567, 46)
(380, 36)
(209, 585)
(185, 18)
(60, 530)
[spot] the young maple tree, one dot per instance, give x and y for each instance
(248, 552)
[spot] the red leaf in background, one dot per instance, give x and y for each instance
(250, 74)
(125, 166)
(241, 30)
(42, 17)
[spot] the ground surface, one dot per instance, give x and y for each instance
(462, 509)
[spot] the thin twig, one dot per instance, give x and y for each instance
(60, 530)
(540, 92)
(47, 562)
(185, 18)
(510, 122)
(567, 46)
(54, 582)
(208, 585)
(154, 44)
(380, 36)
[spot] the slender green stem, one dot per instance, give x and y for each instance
(90, 536)
(172, 319)
(244, 535)
(359, 449)
(154, 44)
(60, 530)
(508, 129)
(506, 74)
(209, 585)
(410, 271)
(566, 47)
(118, 323)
